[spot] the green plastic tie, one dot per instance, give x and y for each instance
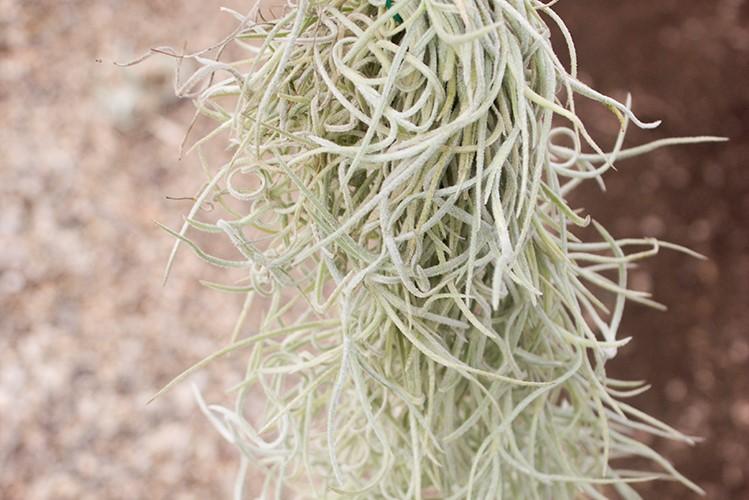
(397, 17)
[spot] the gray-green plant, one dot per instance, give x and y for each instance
(433, 324)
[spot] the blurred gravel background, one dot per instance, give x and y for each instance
(88, 152)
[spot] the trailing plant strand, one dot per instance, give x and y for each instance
(434, 327)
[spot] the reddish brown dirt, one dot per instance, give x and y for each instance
(89, 151)
(686, 63)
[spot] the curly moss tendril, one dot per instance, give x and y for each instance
(434, 326)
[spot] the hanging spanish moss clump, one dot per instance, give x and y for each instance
(431, 323)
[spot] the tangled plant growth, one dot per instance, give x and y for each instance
(434, 327)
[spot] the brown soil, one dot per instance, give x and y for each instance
(686, 63)
(90, 150)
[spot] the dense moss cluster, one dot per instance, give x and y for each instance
(433, 325)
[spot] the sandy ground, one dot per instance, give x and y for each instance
(88, 333)
(89, 152)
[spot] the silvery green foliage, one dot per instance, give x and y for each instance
(434, 325)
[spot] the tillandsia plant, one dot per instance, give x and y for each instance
(432, 325)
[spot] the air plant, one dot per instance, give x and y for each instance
(431, 323)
